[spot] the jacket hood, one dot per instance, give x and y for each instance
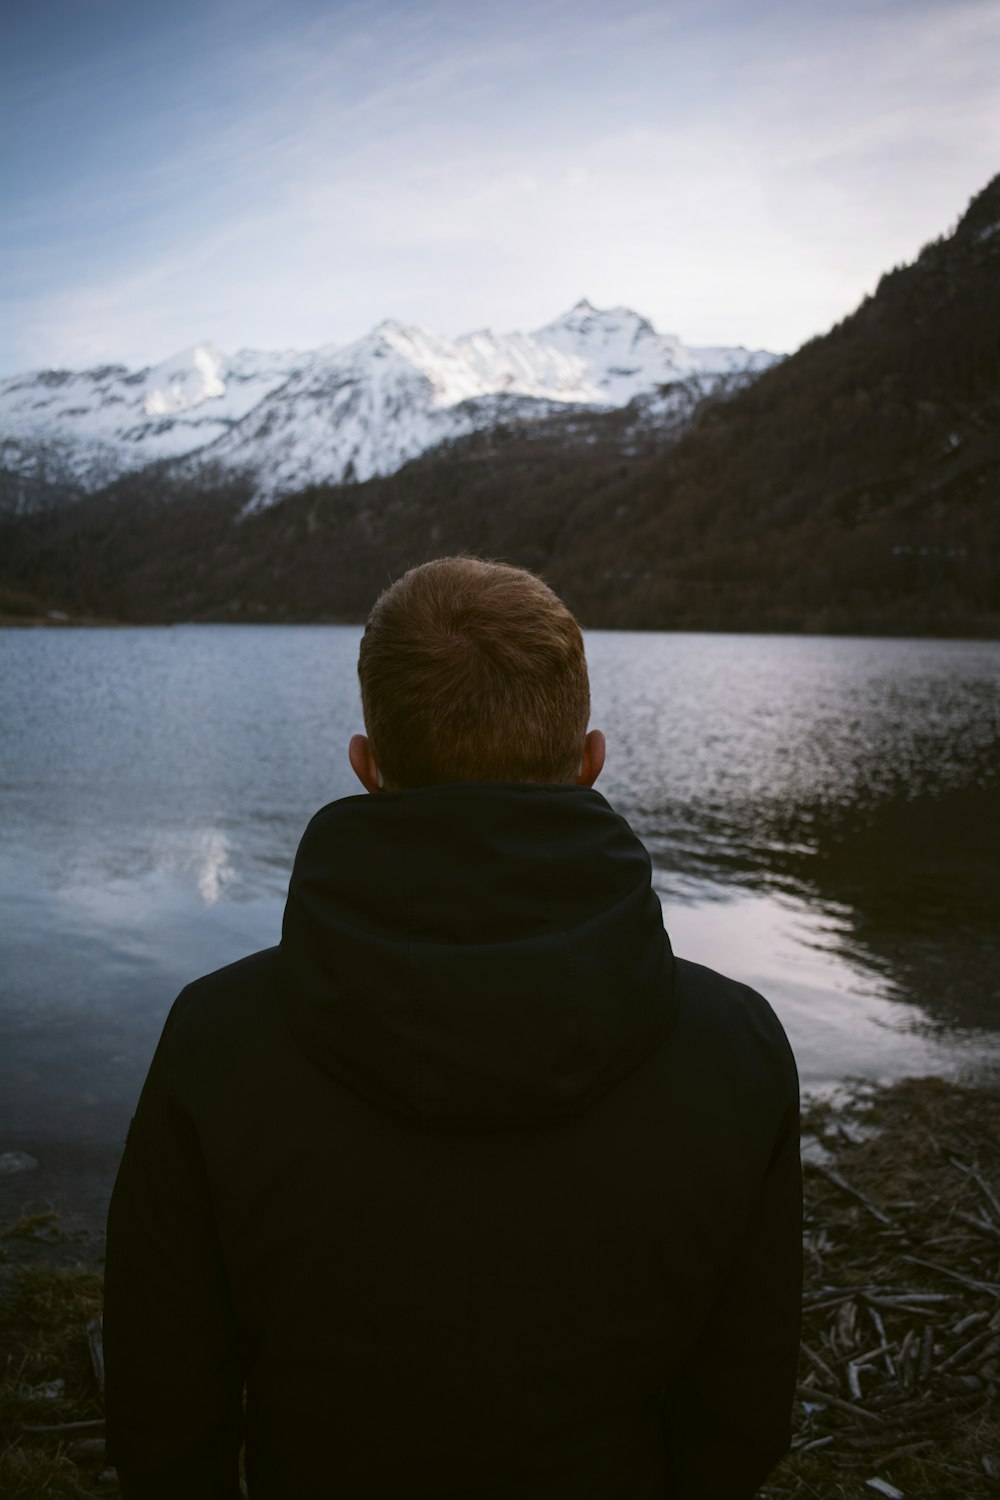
(481, 956)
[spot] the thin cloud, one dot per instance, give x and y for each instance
(281, 175)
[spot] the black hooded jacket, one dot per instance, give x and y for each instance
(481, 1192)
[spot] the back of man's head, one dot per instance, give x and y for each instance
(473, 671)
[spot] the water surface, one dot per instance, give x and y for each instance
(822, 816)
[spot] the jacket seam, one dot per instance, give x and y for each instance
(414, 1007)
(571, 965)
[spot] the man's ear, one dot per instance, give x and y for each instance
(592, 763)
(363, 763)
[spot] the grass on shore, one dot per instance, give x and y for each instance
(47, 1377)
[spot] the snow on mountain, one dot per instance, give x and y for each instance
(624, 356)
(336, 414)
(373, 405)
(87, 427)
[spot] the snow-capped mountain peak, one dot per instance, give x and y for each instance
(84, 428)
(189, 378)
(337, 413)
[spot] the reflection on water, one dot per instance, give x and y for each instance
(822, 816)
(844, 1018)
(859, 779)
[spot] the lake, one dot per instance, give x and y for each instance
(823, 816)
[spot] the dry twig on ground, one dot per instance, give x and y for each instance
(900, 1366)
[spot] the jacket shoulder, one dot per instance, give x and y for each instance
(232, 979)
(736, 1024)
(224, 1014)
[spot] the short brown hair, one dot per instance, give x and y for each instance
(473, 671)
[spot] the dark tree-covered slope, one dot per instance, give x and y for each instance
(856, 484)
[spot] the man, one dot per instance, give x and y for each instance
(481, 1192)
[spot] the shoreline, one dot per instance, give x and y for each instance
(900, 1363)
(61, 620)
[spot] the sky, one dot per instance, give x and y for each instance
(288, 173)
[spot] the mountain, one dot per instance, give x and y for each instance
(853, 487)
(288, 419)
(75, 431)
